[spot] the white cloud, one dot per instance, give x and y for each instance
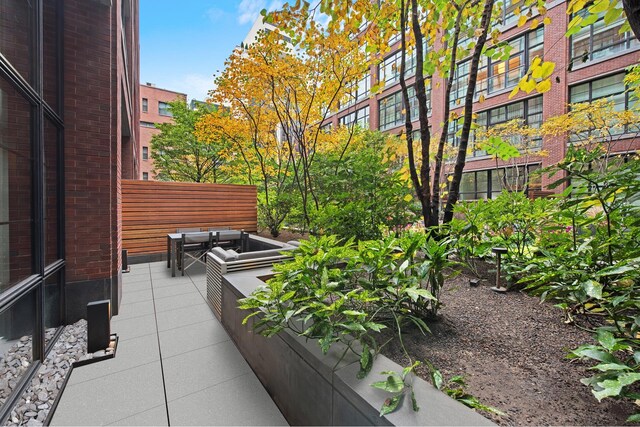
(214, 14)
(249, 10)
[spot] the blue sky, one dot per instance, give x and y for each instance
(183, 43)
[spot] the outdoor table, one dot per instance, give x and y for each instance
(175, 239)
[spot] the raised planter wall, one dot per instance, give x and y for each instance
(306, 387)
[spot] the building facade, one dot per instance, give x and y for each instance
(589, 65)
(68, 113)
(154, 108)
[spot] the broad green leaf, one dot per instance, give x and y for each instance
(605, 367)
(635, 418)
(599, 6)
(614, 387)
(390, 404)
(436, 378)
(366, 362)
(393, 384)
(612, 15)
(354, 313)
(592, 288)
(593, 353)
(606, 339)
(415, 293)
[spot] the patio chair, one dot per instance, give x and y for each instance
(240, 245)
(194, 246)
(191, 247)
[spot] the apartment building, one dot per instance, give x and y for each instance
(68, 136)
(589, 65)
(154, 108)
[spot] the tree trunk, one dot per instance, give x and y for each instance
(632, 10)
(425, 133)
(454, 191)
(435, 188)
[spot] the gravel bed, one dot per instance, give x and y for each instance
(36, 402)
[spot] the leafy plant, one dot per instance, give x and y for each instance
(338, 291)
(455, 387)
(399, 386)
(361, 191)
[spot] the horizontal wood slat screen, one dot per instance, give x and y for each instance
(152, 209)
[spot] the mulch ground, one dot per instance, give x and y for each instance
(512, 351)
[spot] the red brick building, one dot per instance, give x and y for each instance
(590, 65)
(68, 135)
(154, 108)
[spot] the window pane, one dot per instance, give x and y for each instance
(16, 210)
(52, 309)
(51, 192)
(496, 182)
(467, 186)
(164, 110)
(579, 93)
(16, 332)
(482, 181)
(16, 23)
(608, 86)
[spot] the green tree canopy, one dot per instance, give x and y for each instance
(178, 155)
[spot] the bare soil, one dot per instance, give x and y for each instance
(512, 351)
(284, 236)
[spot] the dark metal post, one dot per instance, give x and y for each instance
(98, 325)
(499, 252)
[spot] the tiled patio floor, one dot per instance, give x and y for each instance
(175, 363)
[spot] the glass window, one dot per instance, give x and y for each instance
(358, 90)
(529, 110)
(392, 109)
(145, 153)
(145, 105)
(52, 305)
(598, 40)
(17, 20)
(509, 11)
(164, 109)
(494, 76)
(147, 125)
(16, 182)
(389, 69)
(359, 117)
(326, 128)
(51, 191)
(17, 325)
(611, 87)
(145, 176)
(488, 183)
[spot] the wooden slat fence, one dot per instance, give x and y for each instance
(152, 209)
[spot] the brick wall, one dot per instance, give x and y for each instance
(96, 116)
(556, 49)
(154, 95)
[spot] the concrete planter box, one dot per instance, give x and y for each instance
(306, 387)
(261, 253)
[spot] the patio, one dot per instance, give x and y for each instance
(175, 363)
